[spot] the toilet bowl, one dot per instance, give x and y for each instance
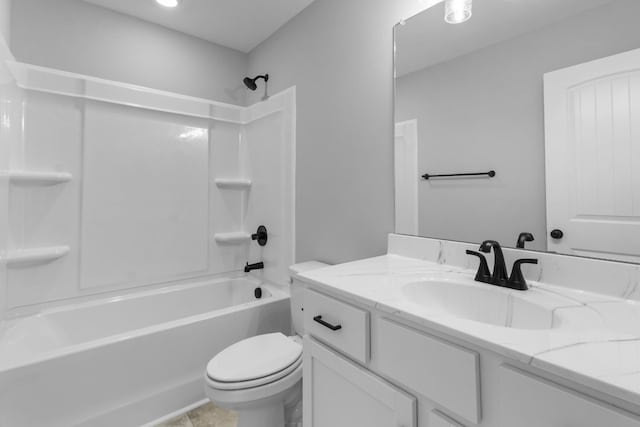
(260, 378)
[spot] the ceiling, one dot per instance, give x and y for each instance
(238, 24)
(425, 39)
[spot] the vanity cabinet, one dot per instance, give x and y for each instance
(528, 401)
(377, 370)
(338, 393)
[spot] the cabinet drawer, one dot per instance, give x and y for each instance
(442, 372)
(340, 325)
(527, 401)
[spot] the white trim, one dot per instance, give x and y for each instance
(406, 177)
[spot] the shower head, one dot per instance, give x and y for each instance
(250, 83)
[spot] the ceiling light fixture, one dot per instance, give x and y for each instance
(457, 11)
(168, 3)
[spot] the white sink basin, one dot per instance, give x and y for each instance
(479, 302)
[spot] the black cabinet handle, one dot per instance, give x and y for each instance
(334, 328)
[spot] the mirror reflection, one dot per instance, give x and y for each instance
(522, 124)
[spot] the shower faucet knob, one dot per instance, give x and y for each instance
(261, 235)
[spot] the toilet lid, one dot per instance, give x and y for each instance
(253, 358)
(293, 373)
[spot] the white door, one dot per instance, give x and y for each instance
(338, 393)
(592, 124)
(406, 177)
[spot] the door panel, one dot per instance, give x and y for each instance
(592, 121)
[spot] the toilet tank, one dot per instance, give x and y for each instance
(297, 315)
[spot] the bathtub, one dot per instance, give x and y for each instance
(130, 360)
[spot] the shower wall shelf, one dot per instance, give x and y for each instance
(233, 183)
(38, 178)
(235, 238)
(34, 256)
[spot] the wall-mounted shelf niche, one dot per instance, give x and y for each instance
(34, 256)
(38, 178)
(233, 183)
(235, 238)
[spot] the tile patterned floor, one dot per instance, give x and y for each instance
(208, 415)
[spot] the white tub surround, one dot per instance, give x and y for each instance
(140, 187)
(578, 324)
(114, 290)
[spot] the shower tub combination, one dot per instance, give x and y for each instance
(127, 361)
(142, 194)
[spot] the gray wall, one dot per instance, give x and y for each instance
(485, 111)
(75, 36)
(5, 19)
(339, 55)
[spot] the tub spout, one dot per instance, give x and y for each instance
(251, 267)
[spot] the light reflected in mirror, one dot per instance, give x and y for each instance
(545, 93)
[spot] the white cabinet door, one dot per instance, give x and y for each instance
(338, 393)
(592, 121)
(527, 401)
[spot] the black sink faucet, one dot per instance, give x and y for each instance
(517, 280)
(499, 276)
(524, 238)
(250, 267)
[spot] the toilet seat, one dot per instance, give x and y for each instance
(239, 385)
(254, 362)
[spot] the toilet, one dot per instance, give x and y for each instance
(260, 378)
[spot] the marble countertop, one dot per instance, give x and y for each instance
(594, 341)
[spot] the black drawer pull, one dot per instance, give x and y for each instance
(326, 324)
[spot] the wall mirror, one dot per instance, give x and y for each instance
(540, 99)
